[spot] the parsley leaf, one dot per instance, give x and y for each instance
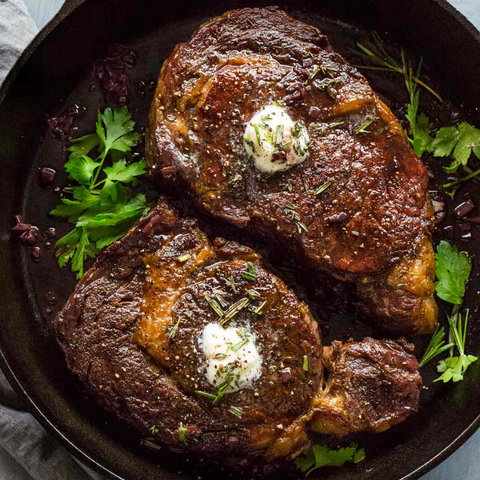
(116, 130)
(81, 168)
(102, 210)
(83, 145)
(421, 141)
(322, 456)
(459, 142)
(452, 270)
(454, 367)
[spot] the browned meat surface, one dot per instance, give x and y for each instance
(370, 386)
(131, 331)
(370, 226)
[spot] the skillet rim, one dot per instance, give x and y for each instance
(28, 398)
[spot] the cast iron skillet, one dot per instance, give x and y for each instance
(55, 72)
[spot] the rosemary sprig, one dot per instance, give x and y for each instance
(237, 411)
(234, 310)
(377, 54)
(215, 306)
(363, 127)
(323, 187)
(244, 340)
(258, 310)
(250, 273)
(253, 294)
(174, 330)
(231, 283)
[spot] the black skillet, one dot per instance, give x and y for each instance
(56, 71)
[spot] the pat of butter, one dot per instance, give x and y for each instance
(274, 141)
(232, 356)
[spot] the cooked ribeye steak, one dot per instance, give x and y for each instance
(142, 331)
(268, 128)
(371, 385)
(192, 342)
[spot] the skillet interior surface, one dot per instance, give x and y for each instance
(58, 74)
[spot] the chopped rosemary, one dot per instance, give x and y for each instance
(234, 309)
(363, 127)
(174, 330)
(305, 363)
(220, 356)
(258, 310)
(221, 301)
(315, 70)
(214, 305)
(184, 258)
(210, 396)
(253, 294)
(335, 124)
(153, 429)
(323, 187)
(237, 411)
(231, 283)
(182, 433)
(257, 133)
(286, 187)
(301, 227)
(244, 340)
(250, 273)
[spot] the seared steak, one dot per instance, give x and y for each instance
(337, 182)
(192, 342)
(372, 385)
(132, 331)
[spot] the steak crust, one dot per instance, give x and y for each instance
(117, 333)
(375, 214)
(371, 385)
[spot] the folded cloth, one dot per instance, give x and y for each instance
(20, 434)
(16, 31)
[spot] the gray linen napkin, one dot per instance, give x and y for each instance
(20, 434)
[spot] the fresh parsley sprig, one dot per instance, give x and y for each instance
(103, 207)
(454, 367)
(322, 456)
(453, 269)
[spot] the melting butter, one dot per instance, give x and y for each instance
(274, 141)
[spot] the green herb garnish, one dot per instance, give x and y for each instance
(174, 330)
(214, 306)
(454, 367)
(452, 269)
(257, 133)
(103, 207)
(182, 433)
(234, 310)
(323, 187)
(376, 53)
(184, 258)
(237, 411)
(258, 310)
(363, 127)
(253, 294)
(244, 340)
(322, 456)
(250, 273)
(153, 429)
(305, 363)
(435, 347)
